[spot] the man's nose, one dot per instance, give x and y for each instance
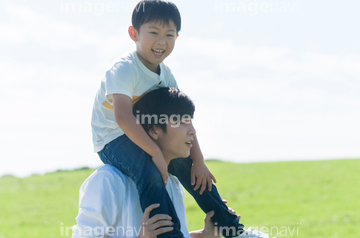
(192, 130)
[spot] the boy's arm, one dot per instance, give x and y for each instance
(128, 123)
(199, 170)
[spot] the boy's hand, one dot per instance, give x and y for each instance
(161, 165)
(201, 174)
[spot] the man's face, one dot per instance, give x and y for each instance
(155, 41)
(176, 142)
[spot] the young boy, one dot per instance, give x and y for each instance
(121, 141)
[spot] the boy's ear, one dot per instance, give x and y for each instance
(177, 36)
(133, 33)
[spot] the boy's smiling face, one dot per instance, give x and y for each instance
(154, 42)
(176, 142)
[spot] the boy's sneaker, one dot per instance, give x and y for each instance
(253, 234)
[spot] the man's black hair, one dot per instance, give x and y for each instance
(155, 10)
(159, 102)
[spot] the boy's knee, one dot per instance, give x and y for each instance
(152, 180)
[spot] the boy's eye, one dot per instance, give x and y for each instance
(169, 35)
(154, 33)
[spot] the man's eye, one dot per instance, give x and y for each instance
(185, 122)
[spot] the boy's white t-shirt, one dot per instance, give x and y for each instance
(128, 76)
(109, 204)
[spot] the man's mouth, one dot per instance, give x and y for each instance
(189, 143)
(158, 52)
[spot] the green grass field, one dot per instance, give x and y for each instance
(291, 199)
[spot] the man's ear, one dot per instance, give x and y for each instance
(153, 133)
(133, 33)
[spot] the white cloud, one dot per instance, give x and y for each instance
(264, 103)
(270, 75)
(25, 25)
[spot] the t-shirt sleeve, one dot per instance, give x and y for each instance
(98, 209)
(120, 79)
(171, 82)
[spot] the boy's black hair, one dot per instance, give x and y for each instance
(160, 102)
(155, 10)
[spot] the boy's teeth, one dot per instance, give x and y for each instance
(159, 51)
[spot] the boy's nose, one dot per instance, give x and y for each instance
(161, 40)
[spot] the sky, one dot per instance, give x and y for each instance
(271, 80)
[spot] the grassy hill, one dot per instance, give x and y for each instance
(290, 199)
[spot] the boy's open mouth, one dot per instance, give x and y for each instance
(158, 52)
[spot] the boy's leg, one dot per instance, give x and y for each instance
(208, 201)
(138, 166)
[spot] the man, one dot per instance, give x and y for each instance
(109, 202)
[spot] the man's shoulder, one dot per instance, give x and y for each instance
(108, 169)
(174, 184)
(107, 174)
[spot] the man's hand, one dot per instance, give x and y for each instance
(161, 165)
(209, 229)
(150, 227)
(232, 211)
(201, 174)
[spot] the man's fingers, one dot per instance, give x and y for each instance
(158, 217)
(149, 209)
(161, 231)
(209, 215)
(232, 211)
(158, 224)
